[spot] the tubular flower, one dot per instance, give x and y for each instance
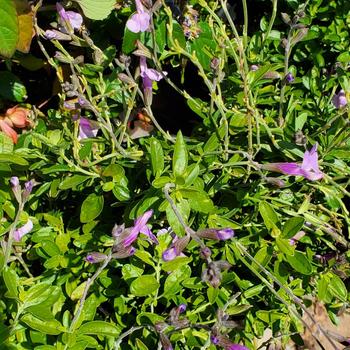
(139, 21)
(221, 234)
(15, 117)
(309, 168)
(20, 232)
(176, 248)
(140, 226)
(149, 74)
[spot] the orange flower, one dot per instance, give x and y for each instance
(14, 117)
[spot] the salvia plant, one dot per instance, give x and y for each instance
(174, 175)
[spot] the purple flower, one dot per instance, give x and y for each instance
(20, 232)
(221, 234)
(139, 21)
(149, 74)
(182, 308)
(87, 128)
(236, 347)
(74, 19)
(176, 248)
(223, 341)
(339, 100)
(123, 252)
(140, 226)
(95, 257)
(289, 78)
(254, 67)
(14, 181)
(308, 169)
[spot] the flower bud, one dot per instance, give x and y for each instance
(217, 234)
(289, 78)
(123, 252)
(95, 257)
(275, 182)
(175, 249)
(16, 188)
(205, 253)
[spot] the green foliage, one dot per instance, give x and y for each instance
(72, 282)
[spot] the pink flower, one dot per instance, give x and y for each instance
(339, 100)
(20, 232)
(139, 21)
(140, 226)
(308, 169)
(73, 18)
(149, 74)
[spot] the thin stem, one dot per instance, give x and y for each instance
(245, 27)
(294, 298)
(88, 285)
(272, 21)
(130, 331)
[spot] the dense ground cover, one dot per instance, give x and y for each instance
(174, 175)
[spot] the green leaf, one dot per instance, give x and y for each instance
(300, 263)
(9, 31)
(180, 156)
(284, 246)
(292, 226)
(91, 207)
(11, 282)
(73, 181)
(11, 87)
(99, 328)
(52, 327)
(97, 10)
(270, 217)
(263, 256)
(184, 209)
(157, 157)
(337, 288)
(12, 158)
(129, 40)
(175, 264)
(144, 285)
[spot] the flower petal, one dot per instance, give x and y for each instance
(8, 131)
(75, 19)
(20, 232)
(138, 22)
(87, 128)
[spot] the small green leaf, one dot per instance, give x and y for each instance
(9, 31)
(91, 207)
(12, 158)
(73, 181)
(144, 285)
(157, 157)
(300, 263)
(292, 226)
(11, 282)
(270, 217)
(11, 87)
(337, 288)
(175, 264)
(97, 10)
(99, 328)
(180, 156)
(52, 327)
(284, 246)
